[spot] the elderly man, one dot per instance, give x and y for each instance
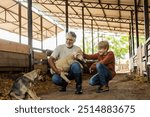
(75, 71)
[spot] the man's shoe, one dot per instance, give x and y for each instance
(102, 89)
(78, 89)
(78, 92)
(63, 89)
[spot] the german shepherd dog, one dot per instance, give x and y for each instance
(22, 88)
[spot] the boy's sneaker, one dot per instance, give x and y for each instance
(103, 88)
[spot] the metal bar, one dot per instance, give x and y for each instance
(119, 9)
(5, 16)
(56, 35)
(66, 15)
(49, 11)
(41, 26)
(92, 37)
(30, 34)
(19, 18)
(88, 11)
(104, 13)
(75, 13)
(27, 19)
(30, 22)
(146, 19)
(113, 28)
(83, 37)
(64, 12)
(98, 34)
(136, 23)
(14, 22)
(96, 18)
(119, 12)
(130, 42)
(95, 5)
(132, 31)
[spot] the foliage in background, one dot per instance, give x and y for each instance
(120, 46)
(88, 43)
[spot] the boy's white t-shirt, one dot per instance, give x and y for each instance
(62, 51)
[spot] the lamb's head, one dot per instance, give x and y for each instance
(78, 55)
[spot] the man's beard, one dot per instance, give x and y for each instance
(69, 46)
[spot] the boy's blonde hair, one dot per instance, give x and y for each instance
(103, 44)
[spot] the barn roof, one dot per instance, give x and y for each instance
(9, 20)
(110, 15)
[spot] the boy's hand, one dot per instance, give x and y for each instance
(91, 70)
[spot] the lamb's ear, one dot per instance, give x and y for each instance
(79, 51)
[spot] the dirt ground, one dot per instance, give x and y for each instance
(121, 88)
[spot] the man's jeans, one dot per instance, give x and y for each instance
(74, 73)
(102, 77)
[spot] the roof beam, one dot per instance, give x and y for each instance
(106, 28)
(119, 11)
(101, 27)
(89, 12)
(75, 13)
(96, 18)
(146, 20)
(95, 5)
(136, 23)
(103, 12)
(16, 22)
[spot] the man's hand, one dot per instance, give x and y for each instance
(58, 71)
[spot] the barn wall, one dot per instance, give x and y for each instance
(13, 56)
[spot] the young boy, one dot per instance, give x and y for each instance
(105, 67)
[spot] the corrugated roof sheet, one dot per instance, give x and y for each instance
(9, 20)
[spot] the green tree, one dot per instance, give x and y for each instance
(88, 43)
(120, 46)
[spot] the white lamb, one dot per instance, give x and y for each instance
(65, 63)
